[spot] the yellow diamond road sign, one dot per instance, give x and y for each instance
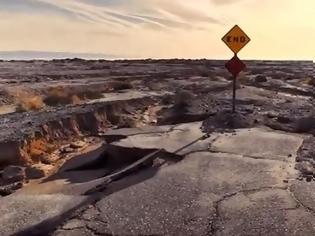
(236, 39)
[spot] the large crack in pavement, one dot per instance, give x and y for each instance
(267, 169)
(300, 203)
(283, 203)
(214, 221)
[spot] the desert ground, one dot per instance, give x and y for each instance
(151, 147)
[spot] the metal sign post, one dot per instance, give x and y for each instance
(235, 39)
(234, 95)
(235, 66)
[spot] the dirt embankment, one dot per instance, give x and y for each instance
(33, 136)
(38, 142)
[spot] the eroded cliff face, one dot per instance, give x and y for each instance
(40, 141)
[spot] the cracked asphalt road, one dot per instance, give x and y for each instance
(217, 189)
(241, 183)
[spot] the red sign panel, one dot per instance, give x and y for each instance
(235, 66)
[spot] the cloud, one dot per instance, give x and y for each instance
(224, 2)
(132, 13)
(31, 7)
(184, 12)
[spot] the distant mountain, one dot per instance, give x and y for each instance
(32, 55)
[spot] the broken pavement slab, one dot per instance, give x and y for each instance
(211, 183)
(304, 193)
(256, 142)
(170, 138)
(265, 212)
(19, 212)
(180, 198)
(260, 143)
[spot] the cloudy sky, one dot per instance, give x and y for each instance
(279, 29)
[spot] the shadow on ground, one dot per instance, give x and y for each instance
(98, 163)
(113, 160)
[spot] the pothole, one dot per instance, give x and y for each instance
(115, 159)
